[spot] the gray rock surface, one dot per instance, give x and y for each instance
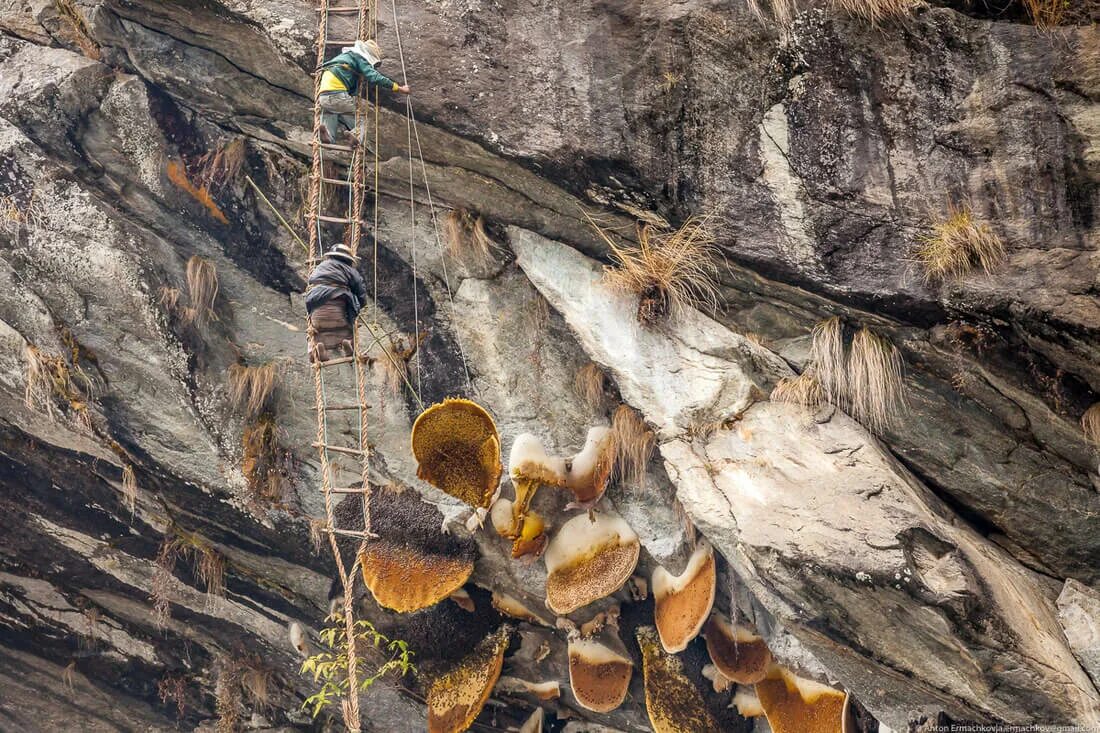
(824, 153)
(824, 527)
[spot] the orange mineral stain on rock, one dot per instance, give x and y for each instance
(178, 175)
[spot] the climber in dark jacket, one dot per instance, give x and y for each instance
(340, 86)
(334, 296)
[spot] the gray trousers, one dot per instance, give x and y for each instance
(338, 111)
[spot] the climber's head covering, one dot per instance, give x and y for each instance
(370, 50)
(342, 253)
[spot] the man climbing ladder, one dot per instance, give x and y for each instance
(340, 86)
(336, 293)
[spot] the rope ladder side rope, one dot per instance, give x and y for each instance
(365, 18)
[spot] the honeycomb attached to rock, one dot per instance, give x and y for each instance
(456, 445)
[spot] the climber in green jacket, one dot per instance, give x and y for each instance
(340, 86)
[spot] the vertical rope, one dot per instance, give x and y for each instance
(317, 168)
(431, 204)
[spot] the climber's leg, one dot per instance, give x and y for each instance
(337, 112)
(330, 322)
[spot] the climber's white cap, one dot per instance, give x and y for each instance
(370, 50)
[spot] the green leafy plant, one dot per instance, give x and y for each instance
(376, 656)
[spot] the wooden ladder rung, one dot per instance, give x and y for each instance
(339, 9)
(337, 362)
(349, 490)
(350, 533)
(336, 219)
(344, 407)
(339, 43)
(337, 181)
(339, 449)
(336, 146)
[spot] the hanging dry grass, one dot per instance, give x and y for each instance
(1090, 424)
(256, 681)
(634, 445)
(227, 693)
(202, 289)
(173, 688)
(169, 299)
(207, 564)
(129, 487)
(160, 590)
(589, 384)
(393, 364)
(668, 271)
(467, 240)
(875, 11)
(783, 12)
(210, 569)
(76, 28)
(251, 388)
(1051, 13)
(957, 245)
(803, 390)
(266, 464)
(52, 381)
(875, 392)
(223, 165)
(828, 359)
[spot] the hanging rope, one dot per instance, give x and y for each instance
(411, 117)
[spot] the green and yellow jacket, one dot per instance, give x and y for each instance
(344, 72)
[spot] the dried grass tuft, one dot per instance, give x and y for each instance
(227, 693)
(266, 464)
(76, 28)
(668, 271)
(393, 364)
(316, 533)
(874, 380)
(803, 390)
(210, 569)
(589, 383)
(256, 681)
(634, 445)
(251, 388)
(173, 688)
(223, 165)
(1050, 13)
(207, 563)
(467, 240)
(160, 591)
(130, 487)
(828, 359)
(202, 289)
(783, 12)
(1090, 424)
(875, 11)
(52, 381)
(957, 245)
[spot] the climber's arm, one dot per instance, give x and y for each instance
(377, 79)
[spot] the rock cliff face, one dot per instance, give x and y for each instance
(947, 565)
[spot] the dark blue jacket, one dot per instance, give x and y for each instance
(333, 279)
